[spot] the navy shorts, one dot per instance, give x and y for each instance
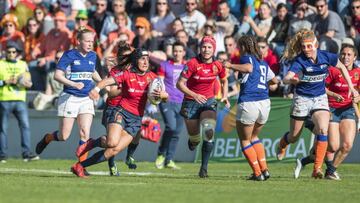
(131, 123)
(190, 109)
(342, 113)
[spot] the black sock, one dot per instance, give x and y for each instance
(111, 162)
(307, 160)
(131, 150)
(98, 157)
(330, 167)
(206, 150)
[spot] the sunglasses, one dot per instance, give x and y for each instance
(161, 3)
(32, 25)
(83, 19)
(190, 4)
(355, 7)
(139, 27)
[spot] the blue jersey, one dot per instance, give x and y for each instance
(312, 75)
(78, 68)
(254, 85)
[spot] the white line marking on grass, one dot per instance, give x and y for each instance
(100, 173)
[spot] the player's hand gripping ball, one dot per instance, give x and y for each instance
(155, 87)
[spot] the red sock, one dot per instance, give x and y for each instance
(83, 157)
(251, 157)
(260, 152)
(320, 151)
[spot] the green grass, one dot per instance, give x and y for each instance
(49, 181)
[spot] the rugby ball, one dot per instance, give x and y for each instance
(156, 84)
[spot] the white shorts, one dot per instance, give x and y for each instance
(250, 112)
(305, 106)
(71, 106)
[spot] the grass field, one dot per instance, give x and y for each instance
(51, 181)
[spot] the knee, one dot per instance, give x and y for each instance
(332, 148)
(346, 147)
(208, 129)
(111, 144)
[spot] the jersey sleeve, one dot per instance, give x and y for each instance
(222, 73)
(64, 62)
(119, 77)
(295, 67)
(270, 74)
(161, 70)
(330, 77)
(332, 58)
(245, 59)
(187, 71)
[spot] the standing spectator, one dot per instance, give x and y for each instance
(211, 29)
(279, 29)
(193, 19)
(97, 18)
(118, 6)
(170, 71)
(268, 55)
(233, 89)
(328, 27)
(225, 18)
(34, 37)
(9, 23)
(59, 38)
(13, 83)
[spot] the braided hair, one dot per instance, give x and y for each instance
(248, 45)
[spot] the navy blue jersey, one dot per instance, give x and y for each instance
(78, 68)
(312, 76)
(254, 85)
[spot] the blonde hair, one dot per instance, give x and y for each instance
(293, 47)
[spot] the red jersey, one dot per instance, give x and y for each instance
(114, 101)
(134, 89)
(336, 83)
(202, 76)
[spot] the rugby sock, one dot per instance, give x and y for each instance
(98, 157)
(111, 162)
(250, 154)
(260, 153)
(131, 149)
(206, 150)
(320, 150)
(52, 137)
(329, 166)
(284, 141)
(85, 155)
(307, 160)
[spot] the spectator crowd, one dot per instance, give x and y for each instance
(43, 29)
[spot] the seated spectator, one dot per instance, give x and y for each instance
(71, 9)
(161, 21)
(176, 25)
(328, 27)
(355, 22)
(260, 26)
(299, 21)
(58, 39)
(211, 29)
(193, 19)
(97, 18)
(82, 20)
(225, 18)
(233, 90)
(143, 38)
(138, 8)
(279, 29)
(9, 24)
(45, 20)
(121, 20)
(34, 37)
(232, 50)
(118, 6)
(183, 37)
(268, 56)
